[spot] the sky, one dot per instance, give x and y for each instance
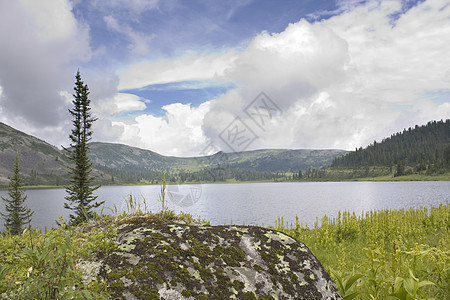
(190, 78)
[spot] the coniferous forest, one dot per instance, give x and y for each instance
(422, 148)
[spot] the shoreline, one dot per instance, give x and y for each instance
(386, 178)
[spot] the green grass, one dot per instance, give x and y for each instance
(401, 253)
(411, 177)
(374, 173)
(43, 265)
(379, 254)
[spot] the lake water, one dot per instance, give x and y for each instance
(252, 203)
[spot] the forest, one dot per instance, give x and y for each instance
(424, 148)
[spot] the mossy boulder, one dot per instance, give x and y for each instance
(179, 261)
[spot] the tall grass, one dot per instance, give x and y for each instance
(44, 265)
(386, 254)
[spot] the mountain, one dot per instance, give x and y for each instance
(39, 161)
(119, 156)
(422, 148)
(283, 160)
(125, 157)
(42, 163)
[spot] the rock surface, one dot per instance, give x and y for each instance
(174, 261)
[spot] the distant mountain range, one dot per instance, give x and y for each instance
(276, 160)
(42, 163)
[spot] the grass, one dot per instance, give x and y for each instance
(411, 177)
(402, 254)
(387, 254)
(376, 173)
(44, 265)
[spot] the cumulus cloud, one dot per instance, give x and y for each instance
(293, 64)
(340, 82)
(41, 42)
(397, 64)
(121, 102)
(295, 68)
(178, 133)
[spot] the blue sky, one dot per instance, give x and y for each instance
(173, 76)
(177, 26)
(185, 92)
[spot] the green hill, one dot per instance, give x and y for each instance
(130, 164)
(277, 160)
(283, 160)
(44, 164)
(419, 150)
(39, 161)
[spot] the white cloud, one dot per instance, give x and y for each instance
(1, 92)
(41, 44)
(396, 64)
(53, 19)
(178, 133)
(340, 83)
(191, 66)
(121, 102)
(293, 64)
(427, 110)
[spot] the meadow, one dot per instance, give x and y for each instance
(388, 254)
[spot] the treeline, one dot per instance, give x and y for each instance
(422, 147)
(153, 176)
(218, 174)
(209, 174)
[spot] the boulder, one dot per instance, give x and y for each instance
(178, 261)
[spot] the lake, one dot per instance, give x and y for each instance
(252, 203)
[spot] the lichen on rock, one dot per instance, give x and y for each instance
(89, 270)
(167, 261)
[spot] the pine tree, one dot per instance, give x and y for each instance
(16, 214)
(80, 199)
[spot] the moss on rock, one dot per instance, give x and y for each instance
(178, 261)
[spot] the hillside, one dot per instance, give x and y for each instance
(277, 160)
(42, 163)
(119, 156)
(39, 161)
(422, 149)
(128, 164)
(283, 160)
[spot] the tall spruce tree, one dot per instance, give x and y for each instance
(16, 213)
(80, 197)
